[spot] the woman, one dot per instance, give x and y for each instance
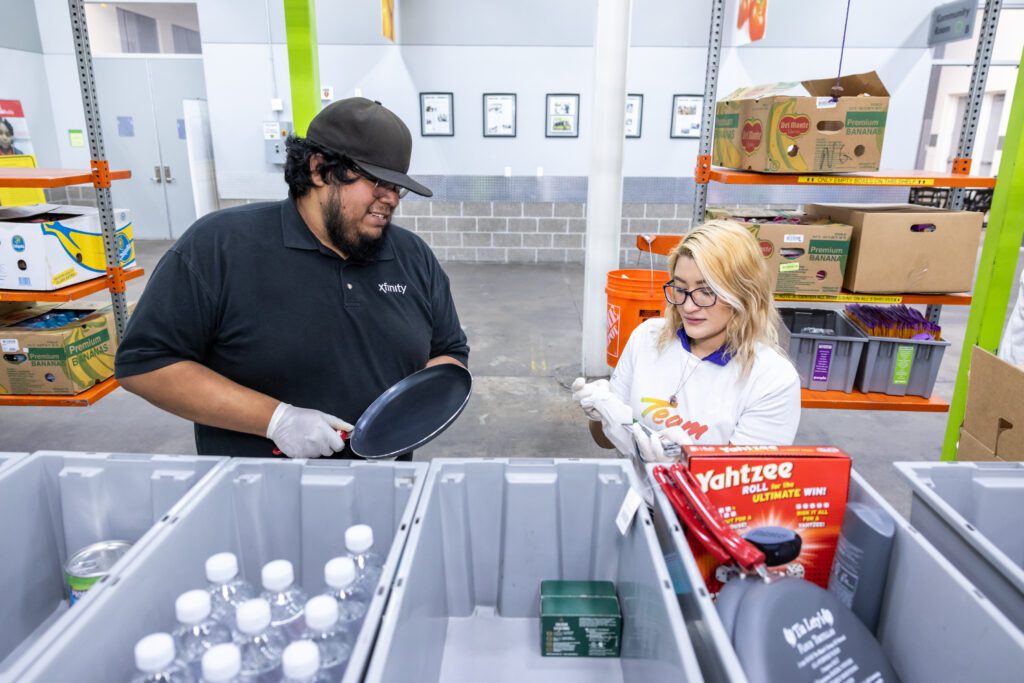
(710, 371)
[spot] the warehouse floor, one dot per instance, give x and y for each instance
(523, 323)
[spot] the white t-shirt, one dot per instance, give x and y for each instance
(1011, 348)
(716, 405)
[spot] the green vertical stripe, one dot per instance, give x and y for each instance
(303, 62)
(998, 263)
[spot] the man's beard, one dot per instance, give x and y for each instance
(346, 238)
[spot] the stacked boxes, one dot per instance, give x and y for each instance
(777, 128)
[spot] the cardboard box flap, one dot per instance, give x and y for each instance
(756, 92)
(994, 414)
(853, 85)
(20, 213)
(888, 208)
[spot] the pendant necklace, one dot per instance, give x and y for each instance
(673, 400)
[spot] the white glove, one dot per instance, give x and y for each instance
(584, 394)
(305, 433)
(652, 448)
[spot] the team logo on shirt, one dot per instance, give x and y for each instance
(661, 413)
(386, 288)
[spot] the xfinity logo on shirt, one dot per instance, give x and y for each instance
(386, 288)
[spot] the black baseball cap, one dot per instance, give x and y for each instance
(369, 134)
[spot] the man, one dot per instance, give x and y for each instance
(262, 316)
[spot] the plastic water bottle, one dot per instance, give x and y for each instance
(222, 664)
(154, 658)
(261, 644)
(332, 637)
(340, 576)
(369, 565)
(227, 589)
(286, 599)
(302, 664)
(196, 632)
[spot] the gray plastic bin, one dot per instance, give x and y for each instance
(901, 367)
(53, 504)
(972, 512)
(261, 510)
(935, 625)
(824, 363)
(7, 459)
(465, 603)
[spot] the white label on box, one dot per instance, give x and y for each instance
(9, 345)
(827, 103)
(628, 510)
(793, 239)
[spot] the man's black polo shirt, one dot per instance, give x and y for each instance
(250, 293)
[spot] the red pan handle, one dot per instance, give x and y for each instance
(744, 553)
(690, 520)
(344, 437)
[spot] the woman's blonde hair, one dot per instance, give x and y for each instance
(730, 260)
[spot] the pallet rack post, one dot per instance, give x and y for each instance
(100, 165)
(707, 121)
(996, 269)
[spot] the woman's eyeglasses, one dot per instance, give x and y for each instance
(703, 297)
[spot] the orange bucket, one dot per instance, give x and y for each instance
(633, 297)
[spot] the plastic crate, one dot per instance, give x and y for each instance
(52, 505)
(261, 510)
(7, 458)
(899, 367)
(971, 512)
(935, 625)
(824, 363)
(466, 600)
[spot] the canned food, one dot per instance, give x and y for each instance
(90, 564)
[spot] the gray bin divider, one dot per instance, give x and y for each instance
(487, 531)
(935, 625)
(261, 509)
(883, 367)
(55, 503)
(824, 363)
(971, 512)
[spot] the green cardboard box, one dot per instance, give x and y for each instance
(580, 626)
(577, 589)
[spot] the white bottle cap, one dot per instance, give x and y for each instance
(359, 538)
(301, 659)
(154, 653)
(222, 663)
(321, 613)
(221, 568)
(253, 616)
(340, 572)
(278, 575)
(192, 607)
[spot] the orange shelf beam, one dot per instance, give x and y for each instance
(70, 293)
(852, 298)
(837, 400)
(875, 178)
(52, 177)
(86, 398)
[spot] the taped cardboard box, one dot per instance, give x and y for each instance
(994, 416)
(907, 249)
(781, 128)
(64, 360)
(969, 448)
(45, 246)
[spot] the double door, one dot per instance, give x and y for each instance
(142, 111)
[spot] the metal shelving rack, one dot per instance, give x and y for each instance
(100, 176)
(958, 179)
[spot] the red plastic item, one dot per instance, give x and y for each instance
(690, 520)
(344, 437)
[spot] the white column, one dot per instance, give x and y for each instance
(604, 187)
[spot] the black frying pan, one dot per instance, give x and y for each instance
(411, 413)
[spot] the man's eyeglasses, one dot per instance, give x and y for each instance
(380, 185)
(703, 297)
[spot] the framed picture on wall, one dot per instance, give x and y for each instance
(634, 115)
(562, 115)
(499, 115)
(437, 114)
(686, 114)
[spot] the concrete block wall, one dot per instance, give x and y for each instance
(528, 232)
